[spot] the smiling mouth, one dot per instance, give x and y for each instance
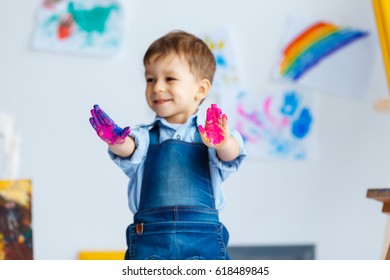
(161, 101)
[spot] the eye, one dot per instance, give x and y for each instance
(150, 80)
(171, 79)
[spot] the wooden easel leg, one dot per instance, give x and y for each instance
(386, 247)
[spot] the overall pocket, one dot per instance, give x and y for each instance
(177, 240)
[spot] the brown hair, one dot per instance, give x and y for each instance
(194, 50)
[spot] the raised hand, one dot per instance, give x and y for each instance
(106, 128)
(216, 130)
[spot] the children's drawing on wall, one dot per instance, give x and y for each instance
(227, 83)
(15, 220)
(79, 26)
(277, 125)
(325, 56)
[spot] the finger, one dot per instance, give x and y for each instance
(218, 120)
(224, 122)
(104, 118)
(203, 136)
(97, 115)
(96, 107)
(201, 129)
(217, 112)
(126, 131)
(208, 115)
(96, 119)
(93, 123)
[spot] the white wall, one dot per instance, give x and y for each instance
(79, 195)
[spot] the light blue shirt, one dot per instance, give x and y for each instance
(133, 166)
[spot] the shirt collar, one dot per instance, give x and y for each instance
(191, 120)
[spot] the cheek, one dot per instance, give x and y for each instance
(147, 93)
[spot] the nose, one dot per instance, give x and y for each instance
(159, 86)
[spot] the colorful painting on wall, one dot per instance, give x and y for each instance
(227, 83)
(327, 57)
(277, 125)
(79, 26)
(15, 220)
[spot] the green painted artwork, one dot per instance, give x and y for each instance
(86, 27)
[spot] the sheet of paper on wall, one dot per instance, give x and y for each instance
(278, 124)
(91, 27)
(327, 57)
(227, 83)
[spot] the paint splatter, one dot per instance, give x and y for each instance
(290, 103)
(301, 126)
(276, 126)
(91, 20)
(213, 130)
(65, 28)
(106, 128)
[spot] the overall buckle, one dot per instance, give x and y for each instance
(139, 228)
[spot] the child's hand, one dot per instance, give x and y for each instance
(106, 128)
(216, 131)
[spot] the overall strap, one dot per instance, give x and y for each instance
(154, 135)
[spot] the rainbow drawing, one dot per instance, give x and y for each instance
(312, 45)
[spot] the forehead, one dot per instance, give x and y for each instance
(170, 61)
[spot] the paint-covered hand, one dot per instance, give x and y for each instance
(216, 131)
(106, 128)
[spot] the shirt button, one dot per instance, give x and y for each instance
(178, 137)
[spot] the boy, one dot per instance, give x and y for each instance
(175, 167)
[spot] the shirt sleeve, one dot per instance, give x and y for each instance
(129, 165)
(225, 168)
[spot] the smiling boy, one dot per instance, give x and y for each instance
(175, 165)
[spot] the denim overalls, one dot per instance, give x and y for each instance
(176, 218)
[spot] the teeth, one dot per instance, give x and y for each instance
(160, 101)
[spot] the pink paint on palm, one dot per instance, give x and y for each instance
(106, 128)
(111, 135)
(213, 130)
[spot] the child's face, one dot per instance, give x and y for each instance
(172, 91)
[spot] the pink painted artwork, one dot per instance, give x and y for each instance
(277, 124)
(106, 128)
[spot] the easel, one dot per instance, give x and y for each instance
(383, 195)
(382, 16)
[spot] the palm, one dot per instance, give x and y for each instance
(216, 130)
(106, 128)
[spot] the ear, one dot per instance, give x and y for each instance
(204, 88)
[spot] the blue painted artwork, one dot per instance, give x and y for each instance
(276, 125)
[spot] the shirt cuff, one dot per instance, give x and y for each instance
(138, 154)
(229, 166)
